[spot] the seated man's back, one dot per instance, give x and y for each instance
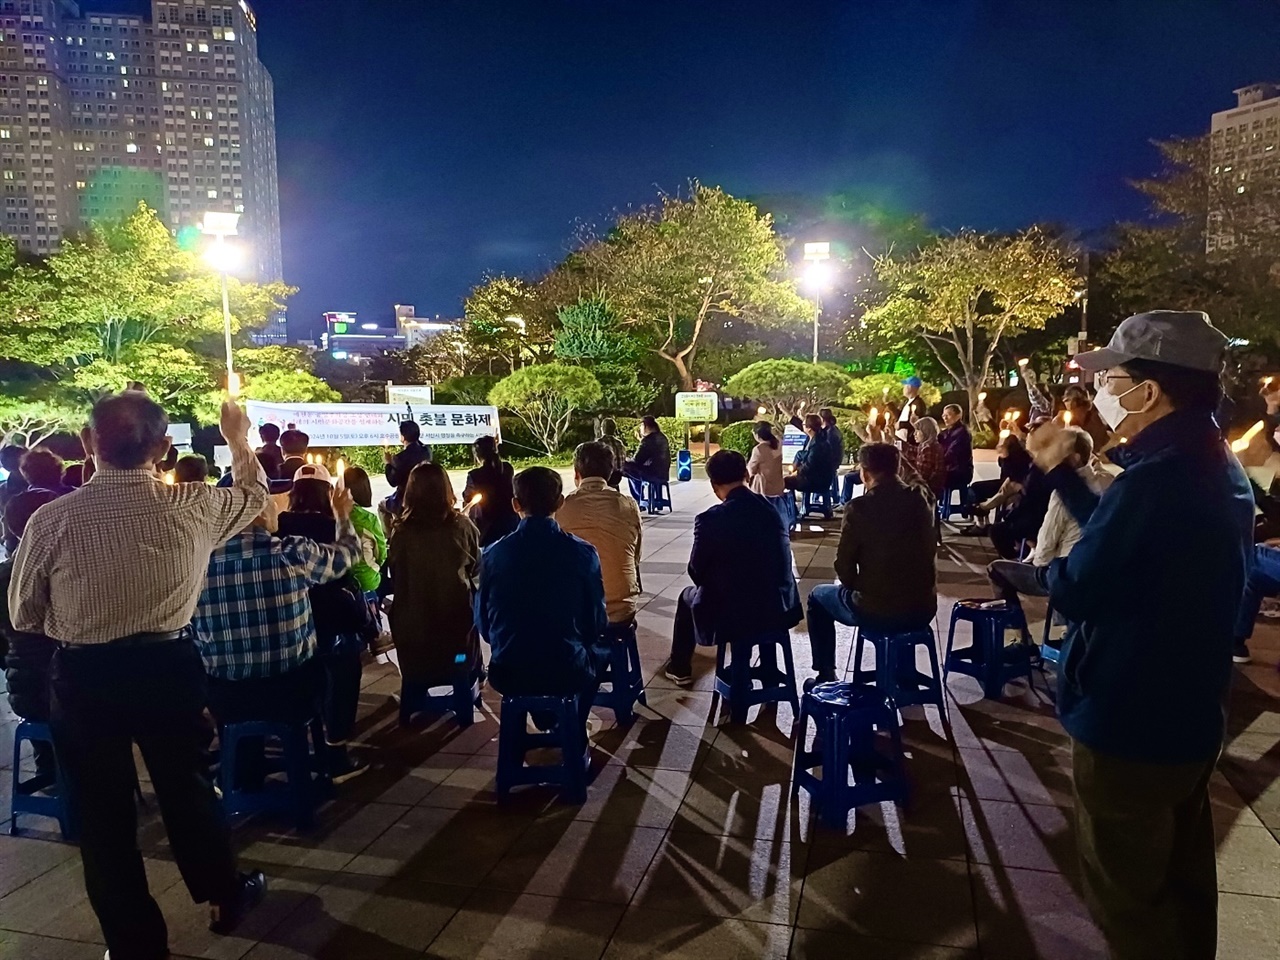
(610, 522)
(540, 604)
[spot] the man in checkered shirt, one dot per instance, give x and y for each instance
(254, 623)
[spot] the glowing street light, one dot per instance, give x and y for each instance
(223, 257)
(817, 277)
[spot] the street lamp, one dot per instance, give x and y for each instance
(817, 277)
(223, 257)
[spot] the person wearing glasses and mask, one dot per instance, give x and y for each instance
(1151, 592)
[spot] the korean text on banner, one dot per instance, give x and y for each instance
(793, 441)
(377, 424)
(698, 407)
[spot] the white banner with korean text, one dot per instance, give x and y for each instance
(376, 424)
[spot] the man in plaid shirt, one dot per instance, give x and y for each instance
(254, 624)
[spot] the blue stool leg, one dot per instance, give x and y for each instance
(635, 673)
(857, 655)
(935, 676)
(740, 684)
(788, 660)
(574, 752)
(464, 705)
(620, 672)
(298, 772)
(993, 653)
(510, 747)
(800, 753)
(228, 744)
(834, 774)
(951, 642)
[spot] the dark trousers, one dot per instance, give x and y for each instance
(343, 669)
(830, 604)
(981, 490)
(1007, 538)
(105, 699)
(638, 476)
(684, 634)
(1010, 578)
(296, 696)
(1145, 835)
(525, 684)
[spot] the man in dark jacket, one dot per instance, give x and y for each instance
(885, 561)
(815, 464)
(1151, 592)
(540, 602)
(652, 462)
(957, 448)
(740, 566)
(413, 452)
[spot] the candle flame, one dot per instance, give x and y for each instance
(874, 415)
(1004, 434)
(1024, 361)
(982, 396)
(1266, 381)
(233, 384)
(476, 498)
(1241, 445)
(169, 478)
(342, 466)
(761, 410)
(1014, 415)
(1066, 417)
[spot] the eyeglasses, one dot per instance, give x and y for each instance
(1102, 378)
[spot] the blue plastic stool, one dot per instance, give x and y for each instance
(515, 741)
(1048, 653)
(622, 673)
(896, 675)
(820, 499)
(306, 776)
(965, 508)
(736, 682)
(987, 658)
(846, 718)
(657, 496)
(24, 800)
(461, 700)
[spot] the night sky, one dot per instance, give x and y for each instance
(423, 143)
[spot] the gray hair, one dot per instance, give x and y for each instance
(1083, 443)
(928, 427)
(128, 429)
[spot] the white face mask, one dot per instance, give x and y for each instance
(1110, 408)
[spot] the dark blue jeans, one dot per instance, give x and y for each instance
(831, 604)
(1264, 581)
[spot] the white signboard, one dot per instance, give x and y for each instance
(376, 424)
(409, 393)
(180, 436)
(697, 407)
(793, 440)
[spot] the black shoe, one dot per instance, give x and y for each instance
(822, 677)
(227, 916)
(1241, 654)
(681, 678)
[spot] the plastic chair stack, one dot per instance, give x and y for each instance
(847, 718)
(987, 658)
(306, 779)
(622, 674)
(736, 680)
(514, 743)
(896, 675)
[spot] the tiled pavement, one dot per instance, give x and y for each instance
(689, 844)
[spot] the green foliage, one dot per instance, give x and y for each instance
(681, 270)
(589, 334)
(473, 389)
(30, 422)
(790, 386)
(174, 376)
(622, 390)
(738, 436)
(545, 397)
(503, 321)
(252, 361)
(870, 391)
(962, 294)
(984, 438)
(289, 386)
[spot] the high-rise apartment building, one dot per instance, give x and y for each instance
(1244, 169)
(99, 111)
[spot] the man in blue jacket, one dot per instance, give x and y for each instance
(741, 570)
(1151, 592)
(540, 603)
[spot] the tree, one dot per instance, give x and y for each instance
(875, 389)
(682, 269)
(791, 386)
(289, 386)
(31, 422)
(505, 320)
(545, 397)
(174, 376)
(590, 335)
(961, 294)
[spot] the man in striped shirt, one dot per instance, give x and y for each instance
(111, 572)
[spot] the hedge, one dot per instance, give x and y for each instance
(739, 436)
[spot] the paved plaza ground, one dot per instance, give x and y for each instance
(689, 844)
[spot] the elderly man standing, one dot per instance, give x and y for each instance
(112, 572)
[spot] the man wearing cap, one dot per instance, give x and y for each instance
(1151, 592)
(913, 408)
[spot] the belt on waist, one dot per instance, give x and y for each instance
(133, 640)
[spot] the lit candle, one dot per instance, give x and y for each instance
(1241, 445)
(1014, 415)
(169, 478)
(1066, 417)
(1266, 381)
(476, 498)
(342, 466)
(1023, 362)
(1004, 434)
(761, 410)
(873, 417)
(233, 384)
(982, 397)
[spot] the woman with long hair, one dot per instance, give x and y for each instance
(434, 562)
(493, 513)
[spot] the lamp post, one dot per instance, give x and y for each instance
(817, 276)
(223, 257)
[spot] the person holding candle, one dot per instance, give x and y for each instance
(491, 482)
(1076, 399)
(434, 562)
(913, 408)
(1152, 593)
(373, 542)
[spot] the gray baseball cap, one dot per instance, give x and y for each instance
(1181, 338)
